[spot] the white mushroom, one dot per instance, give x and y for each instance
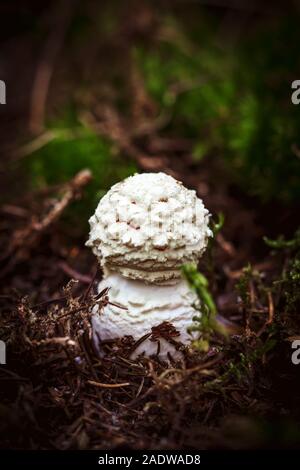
(144, 229)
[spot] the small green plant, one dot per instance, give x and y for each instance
(282, 243)
(206, 323)
(217, 226)
(243, 285)
(289, 283)
(241, 368)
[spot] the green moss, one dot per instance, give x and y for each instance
(71, 150)
(233, 101)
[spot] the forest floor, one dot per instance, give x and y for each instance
(55, 391)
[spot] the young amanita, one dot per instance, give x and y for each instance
(144, 229)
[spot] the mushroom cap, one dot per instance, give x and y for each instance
(146, 306)
(147, 226)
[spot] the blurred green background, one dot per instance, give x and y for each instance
(217, 75)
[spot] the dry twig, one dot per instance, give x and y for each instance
(24, 239)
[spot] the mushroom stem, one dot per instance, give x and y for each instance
(143, 307)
